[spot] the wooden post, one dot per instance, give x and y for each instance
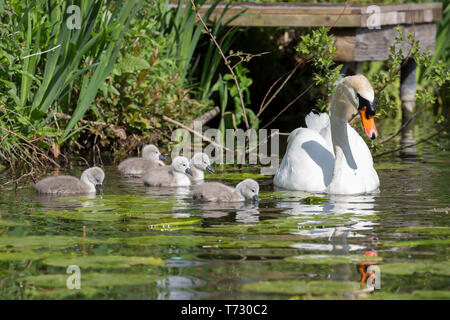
(351, 68)
(407, 95)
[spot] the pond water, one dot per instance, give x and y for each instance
(156, 243)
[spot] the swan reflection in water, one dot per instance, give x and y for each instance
(355, 209)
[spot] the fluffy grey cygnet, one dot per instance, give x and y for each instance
(218, 192)
(151, 158)
(173, 176)
(199, 163)
(90, 178)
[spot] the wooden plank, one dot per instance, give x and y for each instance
(360, 44)
(323, 14)
(291, 20)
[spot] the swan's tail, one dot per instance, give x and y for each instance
(317, 122)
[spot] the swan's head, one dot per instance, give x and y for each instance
(201, 161)
(362, 97)
(249, 189)
(94, 175)
(150, 151)
(181, 164)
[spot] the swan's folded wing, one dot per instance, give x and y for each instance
(61, 185)
(137, 166)
(214, 191)
(307, 163)
(161, 176)
(320, 123)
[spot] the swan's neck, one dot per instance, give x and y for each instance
(197, 174)
(181, 179)
(344, 163)
(85, 180)
(238, 193)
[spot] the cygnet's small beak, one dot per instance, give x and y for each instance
(209, 169)
(162, 158)
(189, 171)
(255, 198)
(100, 189)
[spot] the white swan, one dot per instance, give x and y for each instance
(329, 155)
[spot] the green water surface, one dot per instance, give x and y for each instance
(156, 243)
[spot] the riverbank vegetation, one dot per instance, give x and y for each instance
(101, 91)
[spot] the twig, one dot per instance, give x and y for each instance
(117, 132)
(227, 63)
(267, 139)
(340, 15)
(165, 118)
(207, 116)
(285, 108)
(402, 127)
(263, 107)
(410, 145)
(33, 147)
(42, 52)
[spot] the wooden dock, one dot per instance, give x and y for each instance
(362, 32)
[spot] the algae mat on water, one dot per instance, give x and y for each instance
(91, 280)
(409, 268)
(105, 262)
(286, 225)
(330, 259)
(302, 287)
(111, 208)
(202, 241)
(37, 242)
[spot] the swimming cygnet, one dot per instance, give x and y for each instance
(151, 158)
(218, 192)
(198, 164)
(173, 176)
(90, 178)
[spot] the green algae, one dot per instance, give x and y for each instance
(405, 268)
(427, 230)
(415, 243)
(302, 287)
(37, 242)
(109, 261)
(314, 200)
(330, 259)
(90, 280)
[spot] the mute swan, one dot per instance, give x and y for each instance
(329, 155)
(173, 176)
(198, 164)
(247, 189)
(151, 158)
(90, 178)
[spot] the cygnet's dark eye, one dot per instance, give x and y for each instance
(253, 191)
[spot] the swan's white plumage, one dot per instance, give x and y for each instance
(309, 161)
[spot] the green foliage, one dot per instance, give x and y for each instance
(385, 77)
(44, 63)
(234, 118)
(319, 49)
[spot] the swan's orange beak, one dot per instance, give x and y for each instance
(368, 123)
